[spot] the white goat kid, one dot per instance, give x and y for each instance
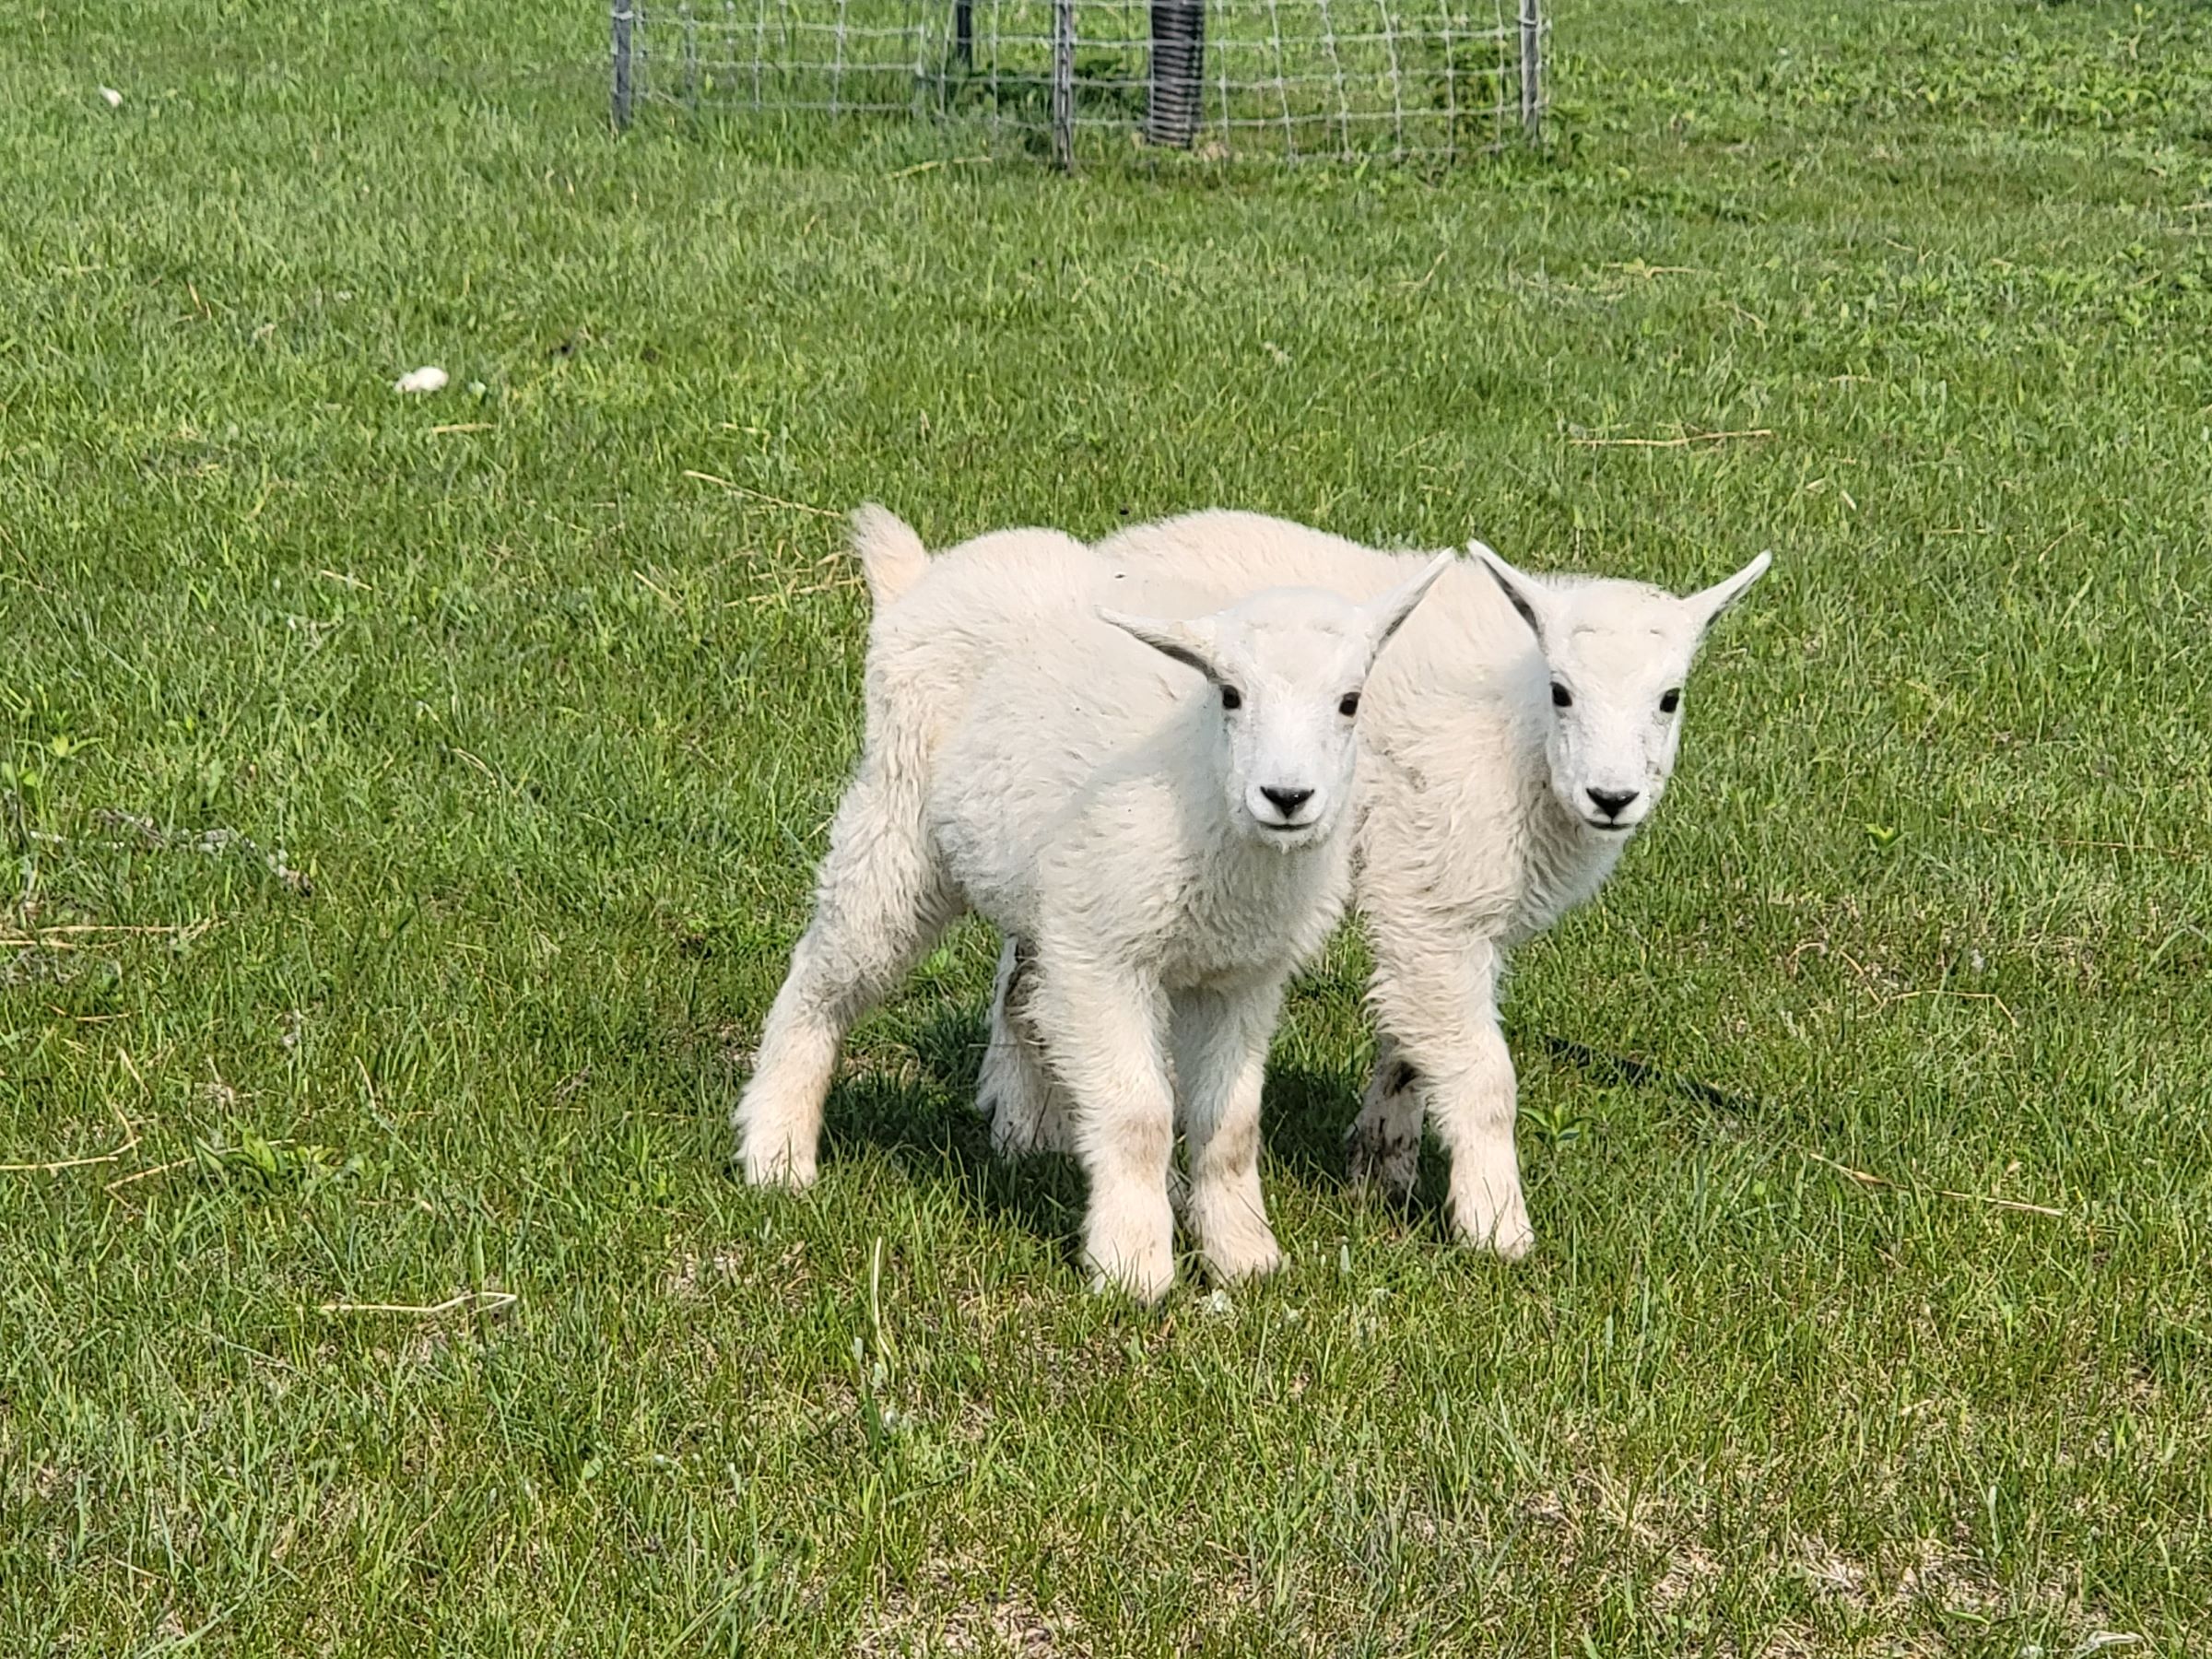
(1510, 756)
(1168, 850)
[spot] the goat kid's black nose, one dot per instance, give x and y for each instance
(1287, 801)
(1612, 802)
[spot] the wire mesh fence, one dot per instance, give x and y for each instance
(1286, 78)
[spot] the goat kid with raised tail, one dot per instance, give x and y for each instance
(1517, 736)
(1156, 808)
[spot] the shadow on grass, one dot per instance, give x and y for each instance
(925, 1118)
(1635, 1073)
(1306, 1117)
(924, 1115)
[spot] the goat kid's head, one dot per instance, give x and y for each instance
(1619, 652)
(1285, 669)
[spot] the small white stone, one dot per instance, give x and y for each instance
(114, 98)
(427, 378)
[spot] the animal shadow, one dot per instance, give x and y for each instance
(923, 1114)
(1625, 1070)
(1307, 1113)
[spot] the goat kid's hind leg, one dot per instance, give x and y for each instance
(1220, 1044)
(1015, 1090)
(1107, 1037)
(1383, 1146)
(880, 904)
(1443, 1016)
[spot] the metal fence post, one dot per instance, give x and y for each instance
(1064, 82)
(1531, 69)
(624, 16)
(1178, 88)
(963, 33)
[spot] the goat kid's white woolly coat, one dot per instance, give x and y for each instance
(1000, 664)
(1486, 812)
(1029, 760)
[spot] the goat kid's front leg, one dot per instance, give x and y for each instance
(1106, 1039)
(1441, 1019)
(1220, 1047)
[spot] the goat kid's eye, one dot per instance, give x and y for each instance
(1348, 705)
(1231, 698)
(1671, 700)
(1560, 697)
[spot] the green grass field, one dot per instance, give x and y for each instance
(524, 705)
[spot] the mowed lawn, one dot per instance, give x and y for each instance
(409, 805)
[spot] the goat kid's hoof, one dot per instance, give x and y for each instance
(1510, 1238)
(1234, 1240)
(1384, 1163)
(1143, 1283)
(1244, 1264)
(783, 1168)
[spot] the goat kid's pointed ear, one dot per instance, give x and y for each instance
(1526, 593)
(1190, 643)
(1711, 602)
(1388, 614)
